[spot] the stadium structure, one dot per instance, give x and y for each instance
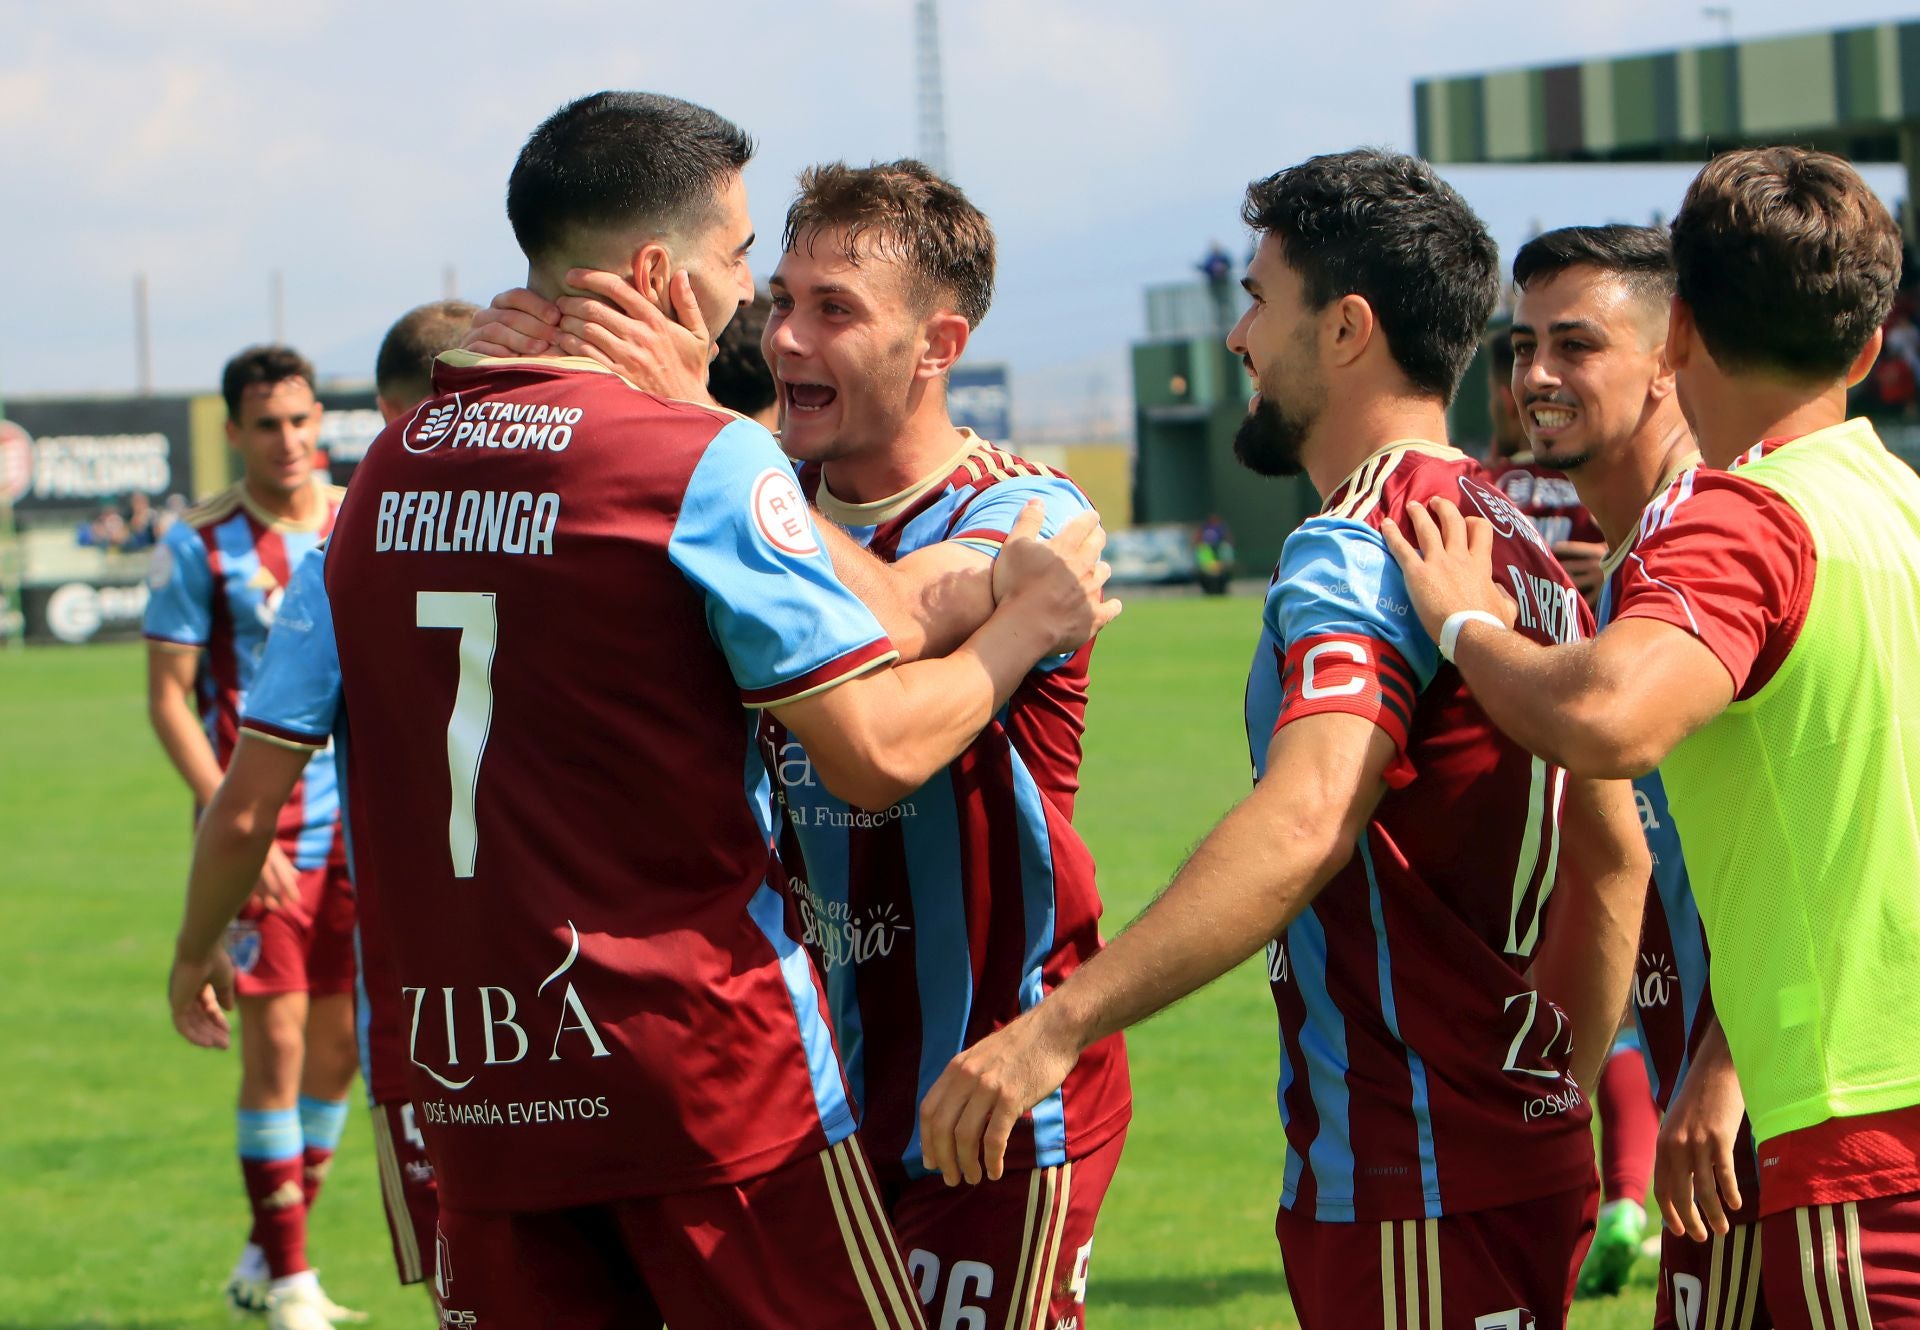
(1851, 91)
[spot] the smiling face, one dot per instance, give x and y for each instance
(1587, 363)
(276, 434)
(845, 341)
(1277, 341)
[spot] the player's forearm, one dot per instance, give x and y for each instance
(878, 588)
(914, 720)
(1562, 703)
(228, 851)
(178, 728)
(1248, 880)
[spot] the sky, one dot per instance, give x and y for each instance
(361, 150)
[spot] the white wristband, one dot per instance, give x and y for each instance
(1450, 630)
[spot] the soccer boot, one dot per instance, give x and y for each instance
(338, 1315)
(1616, 1246)
(246, 1295)
(300, 1308)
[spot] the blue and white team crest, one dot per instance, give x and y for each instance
(243, 945)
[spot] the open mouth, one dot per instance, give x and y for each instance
(1547, 416)
(804, 399)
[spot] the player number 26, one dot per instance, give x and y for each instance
(472, 613)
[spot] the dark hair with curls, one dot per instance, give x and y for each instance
(914, 216)
(1787, 260)
(1387, 228)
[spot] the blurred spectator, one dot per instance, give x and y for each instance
(1213, 555)
(143, 523)
(739, 378)
(1217, 268)
(105, 530)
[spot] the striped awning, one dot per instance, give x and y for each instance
(1849, 90)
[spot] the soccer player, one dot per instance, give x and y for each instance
(557, 602)
(1396, 856)
(217, 579)
(1543, 493)
(972, 897)
(1757, 656)
(1598, 400)
(290, 714)
(739, 378)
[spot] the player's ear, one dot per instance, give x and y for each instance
(653, 273)
(1863, 363)
(1349, 329)
(946, 336)
(1680, 334)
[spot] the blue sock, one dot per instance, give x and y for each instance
(321, 1122)
(269, 1133)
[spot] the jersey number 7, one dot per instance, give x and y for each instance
(472, 613)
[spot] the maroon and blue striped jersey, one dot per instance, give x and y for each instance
(556, 602)
(1421, 1073)
(214, 587)
(947, 915)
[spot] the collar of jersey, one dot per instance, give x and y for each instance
(461, 359)
(1618, 554)
(274, 522)
(881, 511)
(1398, 445)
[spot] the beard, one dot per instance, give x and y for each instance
(1269, 441)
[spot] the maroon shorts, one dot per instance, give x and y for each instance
(1845, 1266)
(406, 1185)
(1711, 1285)
(1504, 1269)
(303, 948)
(1014, 1252)
(804, 1245)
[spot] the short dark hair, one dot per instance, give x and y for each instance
(1387, 228)
(614, 159)
(919, 218)
(1640, 256)
(739, 378)
(266, 365)
(403, 370)
(1499, 344)
(1787, 261)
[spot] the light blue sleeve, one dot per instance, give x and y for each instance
(745, 538)
(179, 589)
(295, 695)
(1336, 577)
(985, 522)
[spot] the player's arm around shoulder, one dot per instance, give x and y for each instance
(1611, 706)
(876, 738)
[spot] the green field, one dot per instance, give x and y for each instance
(120, 1203)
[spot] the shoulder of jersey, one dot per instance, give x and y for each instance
(987, 464)
(1391, 480)
(214, 509)
(334, 494)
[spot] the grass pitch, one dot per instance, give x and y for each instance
(120, 1201)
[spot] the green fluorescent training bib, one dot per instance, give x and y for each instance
(1797, 809)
